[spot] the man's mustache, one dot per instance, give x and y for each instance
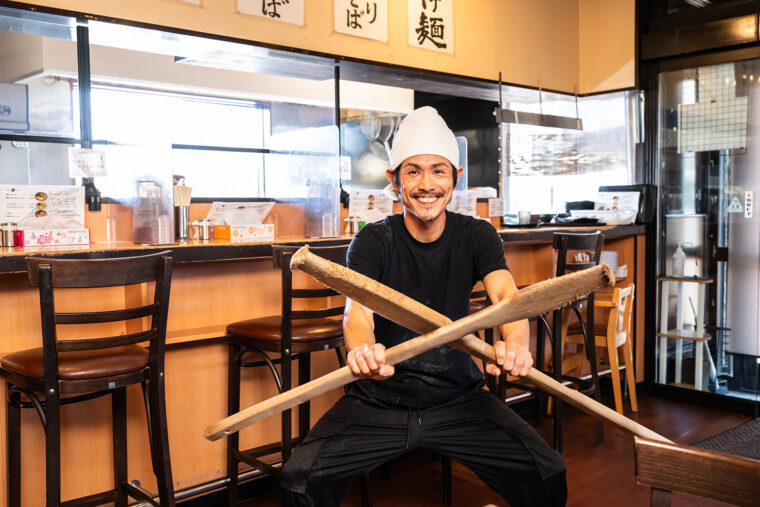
(427, 194)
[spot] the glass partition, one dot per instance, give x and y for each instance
(708, 330)
(545, 167)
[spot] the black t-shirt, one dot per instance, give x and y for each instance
(440, 275)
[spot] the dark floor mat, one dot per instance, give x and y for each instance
(744, 440)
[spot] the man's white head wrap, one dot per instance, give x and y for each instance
(423, 132)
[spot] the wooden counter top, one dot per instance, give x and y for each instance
(12, 259)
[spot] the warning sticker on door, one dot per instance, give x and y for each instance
(735, 206)
(748, 204)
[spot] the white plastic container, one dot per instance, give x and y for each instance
(679, 259)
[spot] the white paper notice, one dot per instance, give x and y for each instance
(496, 207)
(238, 213)
(431, 24)
(22, 202)
(345, 168)
(363, 18)
(617, 201)
(86, 163)
(464, 202)
(369, 205)
(289, 11)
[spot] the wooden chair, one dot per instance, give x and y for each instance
(568, 244)
(672, 467)
(615, 334)
(479, 301)
(293, 335)
(65, 371)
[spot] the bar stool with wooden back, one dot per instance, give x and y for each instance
(65, 371)
(612, 335)
(292, 335)
(571, 244)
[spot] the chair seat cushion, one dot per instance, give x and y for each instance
(79, 365)
(307, 330)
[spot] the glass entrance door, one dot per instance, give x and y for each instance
(709, 229)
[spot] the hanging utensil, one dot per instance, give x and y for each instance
(370, 126)
(387, 128)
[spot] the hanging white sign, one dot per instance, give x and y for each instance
(289, 11)
(196, 2)
(363, 18)
(431, 24)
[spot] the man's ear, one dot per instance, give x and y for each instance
(389, 174)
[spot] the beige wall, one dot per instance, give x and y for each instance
(607, 44)
(528, 40)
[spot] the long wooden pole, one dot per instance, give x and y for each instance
(413, 315)
(537, 299)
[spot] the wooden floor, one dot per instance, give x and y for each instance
(597, 474)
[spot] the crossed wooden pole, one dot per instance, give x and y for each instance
(436, 329)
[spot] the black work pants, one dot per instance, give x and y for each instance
(476, 429)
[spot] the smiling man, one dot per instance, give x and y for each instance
(435, 400)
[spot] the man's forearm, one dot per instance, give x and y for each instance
(358, 326)
(517, 332)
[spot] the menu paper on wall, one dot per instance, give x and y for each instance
(431, 24)
(369, 205)
(289, 11)
(363, 18)
(22, 202)
(86, 163)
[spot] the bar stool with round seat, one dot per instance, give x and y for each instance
(293, 335)
(65, 371)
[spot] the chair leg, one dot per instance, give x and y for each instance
(630, 374)
(365, 491)
(286, 417)
(233, 406)
(541, 366)
(119, 422)
(612, 354)
(304, 375)
(52, 447)
(590, 340)
(13, 436)
(446, 479)
(557, 360)
(659, 498)
(160, 439)
(492, 382)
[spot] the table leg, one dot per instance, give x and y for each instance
(679, 327)
(698, 346)
(662, 370)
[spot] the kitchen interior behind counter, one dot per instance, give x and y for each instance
(229, 117)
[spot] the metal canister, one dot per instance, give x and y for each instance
(204, 229)
(182, 222)
(8, 230)
(352, 225)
